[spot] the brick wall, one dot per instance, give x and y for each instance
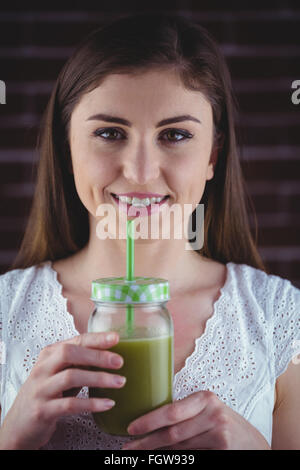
(262, 46)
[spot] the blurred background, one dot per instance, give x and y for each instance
(262, 46)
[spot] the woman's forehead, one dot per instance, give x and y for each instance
(155, 82)
(158, 93)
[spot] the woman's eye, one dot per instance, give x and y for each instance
(109, 134)
(174, 136)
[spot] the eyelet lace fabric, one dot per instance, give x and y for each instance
(248, 342)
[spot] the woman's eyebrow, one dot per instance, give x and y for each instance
(185, 117)
(108, 118)
(124, 122)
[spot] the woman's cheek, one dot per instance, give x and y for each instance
(83, 182)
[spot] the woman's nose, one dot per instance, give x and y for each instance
(141, 166)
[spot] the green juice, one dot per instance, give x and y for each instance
(148, 368)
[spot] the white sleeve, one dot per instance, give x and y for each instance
(285, 313)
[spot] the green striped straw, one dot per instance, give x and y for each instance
(130, 273)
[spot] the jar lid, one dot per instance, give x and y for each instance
(139, 290)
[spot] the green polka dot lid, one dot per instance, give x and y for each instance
(138, 290)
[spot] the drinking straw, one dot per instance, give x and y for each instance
(130, 272)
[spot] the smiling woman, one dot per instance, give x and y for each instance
(143, 153)
(171, 44)
(143, 111)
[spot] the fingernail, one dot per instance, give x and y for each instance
(120, 380)
(109, 403)
(131, 429)
(116, 361)
(110, 337)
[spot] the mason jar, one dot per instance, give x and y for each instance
(137, 311)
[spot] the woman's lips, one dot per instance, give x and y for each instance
(140, 195)
(151, 209)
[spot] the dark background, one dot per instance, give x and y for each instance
(261, 42)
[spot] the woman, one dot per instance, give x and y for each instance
(144, 105)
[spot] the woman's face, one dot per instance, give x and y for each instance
(141, 153)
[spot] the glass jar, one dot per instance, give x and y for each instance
(137, 311)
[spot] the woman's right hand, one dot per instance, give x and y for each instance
(31, 421)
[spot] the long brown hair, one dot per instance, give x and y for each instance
(58, 223)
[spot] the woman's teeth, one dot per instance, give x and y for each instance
(135, 201)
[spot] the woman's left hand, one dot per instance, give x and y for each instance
(199, 421)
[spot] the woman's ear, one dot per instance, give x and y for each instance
(218, 144)
(212, 163)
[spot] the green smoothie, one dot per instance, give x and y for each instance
(148, 368)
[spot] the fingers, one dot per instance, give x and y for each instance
(210, 440)
(208, 428)
(201, 442)
(88, 349)
(177, 435)
(102, 340)
(167, 415)
(72, 405)
(72, 355)
(72, 378)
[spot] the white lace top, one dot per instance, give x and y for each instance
(247, 343)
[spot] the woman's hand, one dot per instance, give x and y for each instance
(199, 421)
(43, 397)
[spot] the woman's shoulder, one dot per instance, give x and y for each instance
(15, 282)
(273, 301)
(246, 277)
(276, 297)
(14, 275)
